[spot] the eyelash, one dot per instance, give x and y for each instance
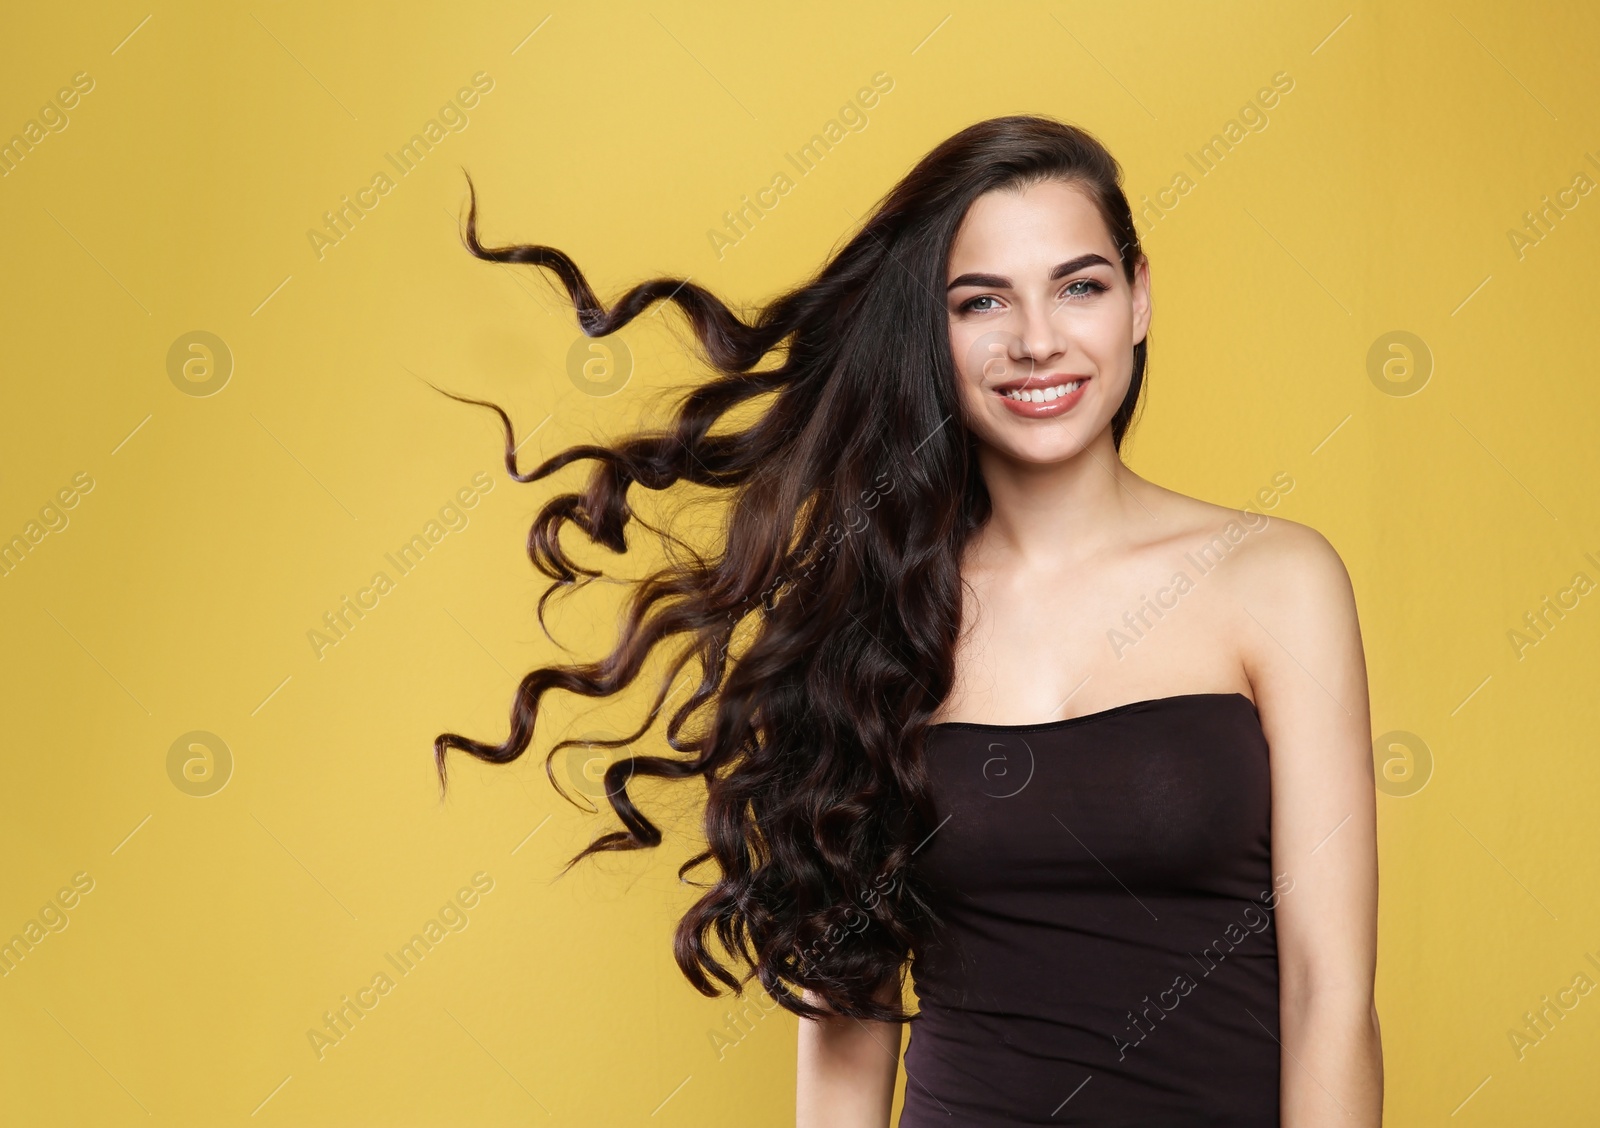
(1095, 287)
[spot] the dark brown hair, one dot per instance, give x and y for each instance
(851, 497)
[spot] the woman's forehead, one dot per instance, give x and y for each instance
(1030, 230)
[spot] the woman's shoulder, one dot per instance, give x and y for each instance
(1282, 575)
(1266, 564)
(1264, 544)
(1275, 590)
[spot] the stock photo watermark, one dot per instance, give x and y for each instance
(1402, 763)
(853, 117)
(737, 1024)
(1550, 611)
(855, 517)
(1540, 223)
(1204, 559)
(1004, 776)
(52, 519)
(199, 763)
(1253, 920)
(351, 610)
(340, 222)
(199, 363)
(53, 917)
(340, 1021)
(882, 885)
(1252, 117)
(1539, 1024)
(53, 117)
(599, 367)
(586, 764)
(1399, 363)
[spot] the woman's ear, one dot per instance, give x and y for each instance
(1141, 299)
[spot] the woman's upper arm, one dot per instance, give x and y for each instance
(845, 1072)
(1303, 653)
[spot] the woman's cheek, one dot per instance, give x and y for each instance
(982, 356)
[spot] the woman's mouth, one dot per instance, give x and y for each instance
(1041, 400)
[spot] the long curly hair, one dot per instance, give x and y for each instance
(851, 497)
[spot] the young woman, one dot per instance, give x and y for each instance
(1087, 757)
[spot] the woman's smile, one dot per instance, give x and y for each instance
(1043, 399)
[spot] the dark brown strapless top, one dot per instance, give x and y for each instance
(1108, 949)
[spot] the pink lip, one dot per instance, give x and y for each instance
(1030, 410)
(1050, 380)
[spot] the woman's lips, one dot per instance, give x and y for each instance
(1060, 405)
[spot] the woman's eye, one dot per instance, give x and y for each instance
(1094, 287)
(1079, 288)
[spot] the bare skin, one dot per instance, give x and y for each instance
(1074, 606)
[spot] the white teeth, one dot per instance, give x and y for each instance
(1042, 395)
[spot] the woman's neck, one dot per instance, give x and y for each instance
(1046, 516)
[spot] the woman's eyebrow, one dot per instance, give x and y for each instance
(1001, 282)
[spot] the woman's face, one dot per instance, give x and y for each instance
(1043, 322)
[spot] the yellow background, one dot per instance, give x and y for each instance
(221, 528)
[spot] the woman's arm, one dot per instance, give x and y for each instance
(1304, 658)
(846, 1070)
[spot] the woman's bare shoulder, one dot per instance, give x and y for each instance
(1286, 555)
(1270, 541)
(1267, 565)
(1289, 585)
